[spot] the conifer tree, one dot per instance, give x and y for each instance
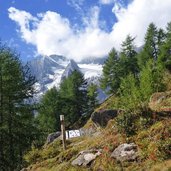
(49, 112)
(16, 114)
(128, 57)
(92, 97)
(111, 73)
(150, 49)
(74, 97)
(151, 80)
(165, 54)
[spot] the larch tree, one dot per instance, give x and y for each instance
(165, 54)
(128, 57)
(16, 114)
(73, 93)
(111, 73)
(150, 49)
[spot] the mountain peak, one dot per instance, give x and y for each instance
(72, 66)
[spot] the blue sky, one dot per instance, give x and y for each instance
(77, 28)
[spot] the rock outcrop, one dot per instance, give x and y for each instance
(84, 158)
(51, 137)
(125, 152)
(102, 117)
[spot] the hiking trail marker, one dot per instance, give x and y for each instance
(63, 131)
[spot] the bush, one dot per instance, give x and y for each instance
(126, 123)
(32, 156)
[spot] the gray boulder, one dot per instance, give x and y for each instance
(102, 117)
(125, 152)
(24, 169)
(84, 158)
(51, 137)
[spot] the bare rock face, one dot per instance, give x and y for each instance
(101, 118)
(86, 157)
(51, 137)
(125, 152)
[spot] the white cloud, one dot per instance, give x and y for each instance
(135, 19)
(106, 2)
(53, 34)
(75, 4)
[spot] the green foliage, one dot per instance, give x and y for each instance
(128, 57)
(165, 55)
(17, 126)
(151, 80)
(155, 142)
(129, 93)
(118, 67)
(92, 97)
(150, 49)
(135, 92)
(49, 111)
(38, 155)
(134, 96)
(74, 95)
(126, 123)
(70, 100)
(111, 73)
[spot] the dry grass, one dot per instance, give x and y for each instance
(154, 144)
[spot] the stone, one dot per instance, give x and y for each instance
(24, 169)
(84, 158)
(79, 160)
(102, 117)
(51, 137)
(125, 152)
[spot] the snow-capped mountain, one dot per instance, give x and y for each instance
(72, 66)
(51, 70)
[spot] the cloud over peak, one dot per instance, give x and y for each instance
(53, 34)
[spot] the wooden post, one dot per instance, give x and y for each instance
(63, 131)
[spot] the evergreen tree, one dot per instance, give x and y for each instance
(16, 114)
(161, 38)
(151, 78)
(111, 73)
(150, 49)
(49, 112)
(74, 96)
(92, 97)
(128, 57)
(165, 54)
(129, 93)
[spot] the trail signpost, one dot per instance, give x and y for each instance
(67, 134)
(63, 131)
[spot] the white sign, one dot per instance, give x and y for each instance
(72, 134)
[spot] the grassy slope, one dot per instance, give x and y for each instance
(154, 145)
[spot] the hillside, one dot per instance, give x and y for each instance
(152, 145)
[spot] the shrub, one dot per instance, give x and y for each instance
(126, 123)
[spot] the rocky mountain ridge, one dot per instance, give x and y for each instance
(51, 70)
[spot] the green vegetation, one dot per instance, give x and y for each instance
(17, 127)
(153, 142)
(140, 87)
(92, 97)
(74, 94)
(48, 117)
